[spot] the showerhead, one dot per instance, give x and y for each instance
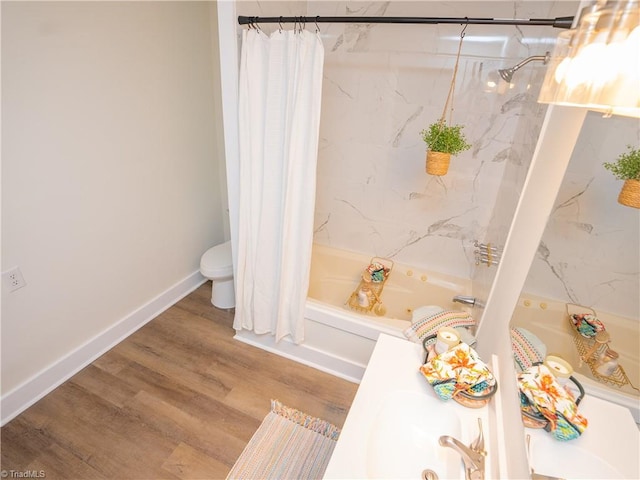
(507, 73)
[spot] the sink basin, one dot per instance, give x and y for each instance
(403, 439)
(396, 421)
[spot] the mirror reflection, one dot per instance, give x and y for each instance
(575, 330)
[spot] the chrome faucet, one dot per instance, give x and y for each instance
(465, 300)
(473, 456)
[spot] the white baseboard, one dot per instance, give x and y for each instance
(25, 395)
(305, 354)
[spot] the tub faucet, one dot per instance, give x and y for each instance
(465, 300)
(472, 456)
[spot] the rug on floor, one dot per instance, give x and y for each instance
(289, 444)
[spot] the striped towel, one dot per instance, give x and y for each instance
(527, 348)
(430, 325)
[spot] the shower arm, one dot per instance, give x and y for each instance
(543, 58)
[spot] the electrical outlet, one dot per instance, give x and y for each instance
(13, 279)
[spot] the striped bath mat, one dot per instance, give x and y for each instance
(288, 444)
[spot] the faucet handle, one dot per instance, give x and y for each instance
(473, 461)
(478, 447)
(478, 443)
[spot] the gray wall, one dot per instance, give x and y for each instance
(112, 183)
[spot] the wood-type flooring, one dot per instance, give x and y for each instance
(178, 399)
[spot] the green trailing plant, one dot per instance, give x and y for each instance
(444, 138)
(627, 165)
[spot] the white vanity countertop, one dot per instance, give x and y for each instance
(607, 449)
(394, 368)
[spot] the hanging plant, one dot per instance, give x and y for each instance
(441, 137)
(627, 168)
(444, 140)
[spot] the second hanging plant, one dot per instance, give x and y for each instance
(627, 168)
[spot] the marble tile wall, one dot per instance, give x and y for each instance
(382, 85)
(590, 251)
(385, 83)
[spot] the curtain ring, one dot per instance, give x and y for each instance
(280, 24)
(256, 25)
(317, 27)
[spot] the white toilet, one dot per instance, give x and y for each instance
(217, 266)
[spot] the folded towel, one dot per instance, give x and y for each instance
(429, 325)
(457, 370)
(587, 324)
(527, 348)
(542, 396)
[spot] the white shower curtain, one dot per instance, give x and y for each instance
(280, 93)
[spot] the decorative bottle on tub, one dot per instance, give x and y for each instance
(364, 296)
(607, 363)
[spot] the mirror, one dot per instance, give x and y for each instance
(587, 260)
(584, 278)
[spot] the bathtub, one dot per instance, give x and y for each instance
(339, 340)
(548, 320)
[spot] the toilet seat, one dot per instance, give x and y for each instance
(216, 262)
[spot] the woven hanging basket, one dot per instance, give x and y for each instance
(630, 194)
(438, 163)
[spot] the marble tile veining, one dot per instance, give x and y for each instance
(384, 83)
(591, 253)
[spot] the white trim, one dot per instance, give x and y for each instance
(497, 442)
(25, 395)
(301, 353)
(228, 39)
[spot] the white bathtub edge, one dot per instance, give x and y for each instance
(323, 361)
(350, 367)
(348, 321)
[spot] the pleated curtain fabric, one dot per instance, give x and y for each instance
(279, 99)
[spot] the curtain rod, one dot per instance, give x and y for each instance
(558, 22)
